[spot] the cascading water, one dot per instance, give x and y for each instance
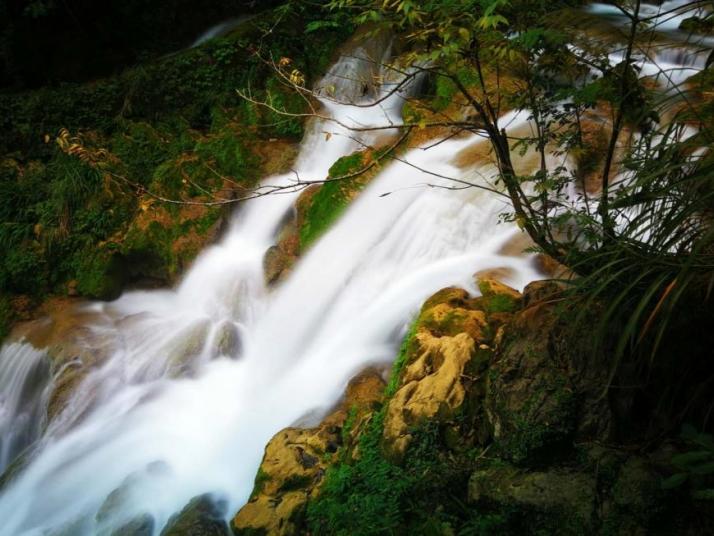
(152, 439)
(174, 412)
(676, 55)
(24, 376)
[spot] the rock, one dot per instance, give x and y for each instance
(107, 517)
(442, 369)
(637, 489)
(227, 341)
(549, 267)
(295, 462)
(540, 291)
(186, 347)
(203, 516)
(72, 288)
(497, 297)
(142, 525)
(545, 387)
(430, 386)
(568, 498)
(274, 262)
(446, 320)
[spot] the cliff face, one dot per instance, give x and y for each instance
(494, 421)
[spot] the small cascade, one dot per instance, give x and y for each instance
(675, 55)
(220, 29)
(24, 381)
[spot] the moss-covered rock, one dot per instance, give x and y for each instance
(560, 498)
(295, 460)
(492, 422)
(202, 516)
(545, 388)
(326, 204)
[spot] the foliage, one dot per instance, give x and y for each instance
(6, 316)
(696, 465)
(173, 126)
(374, 494)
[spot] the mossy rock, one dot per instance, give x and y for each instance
(563, 500)
(330, 201)
(102, 275)
(544, 388)
(202, 516)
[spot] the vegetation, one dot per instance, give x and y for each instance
(121, 178)
(373, 494)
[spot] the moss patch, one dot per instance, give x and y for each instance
(333, 197)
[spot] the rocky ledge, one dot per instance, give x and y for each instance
(496, 420)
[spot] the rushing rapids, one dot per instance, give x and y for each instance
(173, 413)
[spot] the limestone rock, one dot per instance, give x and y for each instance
(186, 347)
(227, 341)
(541, 291)
(275, 262)
(295, 461)
(498, 297)
(140, 526)
(452, 345)
(431, 386)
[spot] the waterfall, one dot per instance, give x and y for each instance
(24, 377)
(171, 413)
(164, 420)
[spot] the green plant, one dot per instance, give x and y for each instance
(695, 465)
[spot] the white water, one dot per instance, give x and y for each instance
(24, 375)
(163, 440)
(677, 55)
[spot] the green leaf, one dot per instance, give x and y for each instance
(674, 481)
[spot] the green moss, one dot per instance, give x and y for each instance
(261, 478)
(497, 303)
(406, 354)
(348, 424)
(175, 125)
(332, 198)
(101, 275)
